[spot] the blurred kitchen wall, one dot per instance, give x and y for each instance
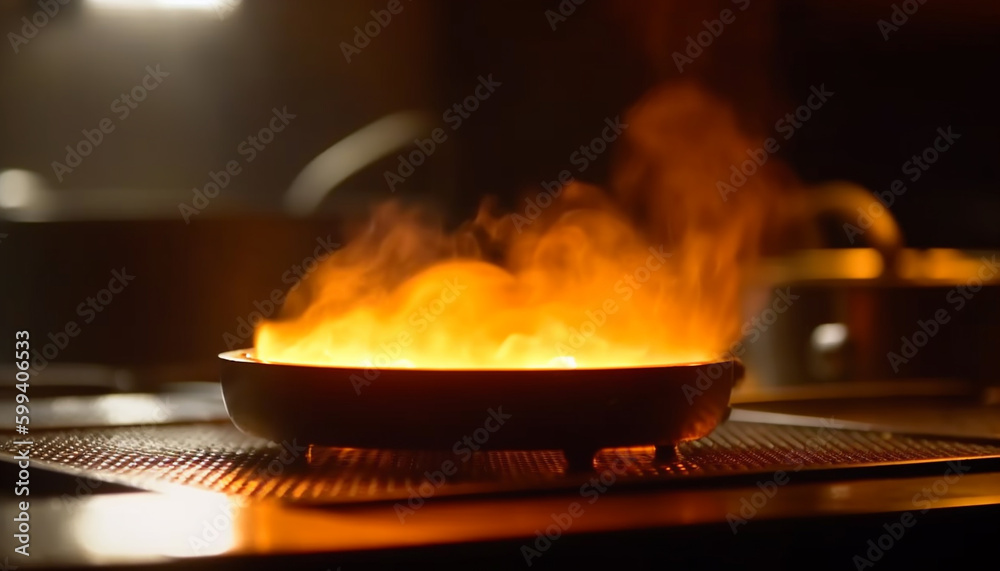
(200, 279)
(892, 91)
(559, 80)
(228, 68)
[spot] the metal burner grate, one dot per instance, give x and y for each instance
(219, 458)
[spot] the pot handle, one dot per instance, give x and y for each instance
(848, 201)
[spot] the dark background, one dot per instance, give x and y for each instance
(558, 86)
(938, 69)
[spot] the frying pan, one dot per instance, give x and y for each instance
(578, 411)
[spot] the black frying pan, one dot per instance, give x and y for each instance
(578, 411)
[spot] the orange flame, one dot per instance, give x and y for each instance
(580, 283)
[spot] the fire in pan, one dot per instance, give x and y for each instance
(583, 319)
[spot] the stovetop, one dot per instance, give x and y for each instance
(170, 480)
(217, 457)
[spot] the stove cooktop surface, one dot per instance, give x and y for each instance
(216, 457)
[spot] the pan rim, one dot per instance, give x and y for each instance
(247, 356)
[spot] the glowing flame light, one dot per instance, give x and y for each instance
(646, 274)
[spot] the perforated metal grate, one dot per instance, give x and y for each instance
(219, 458)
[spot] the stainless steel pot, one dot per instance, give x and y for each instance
(873, 313)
